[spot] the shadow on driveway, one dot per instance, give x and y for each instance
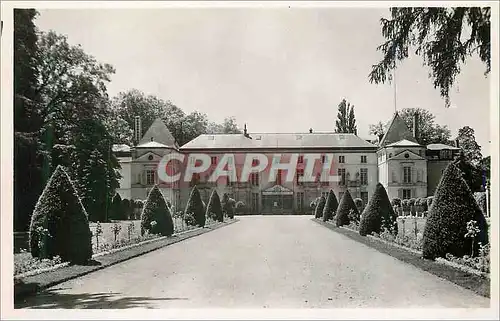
(53, 299)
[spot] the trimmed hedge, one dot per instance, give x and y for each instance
(214, 208)
(117, 212)
(453, 207)
(396, 202)
(195, 207)
(156, 209)
(343, 215)
(60, 212)
(318, 211)
(378, 213)
(331, 206)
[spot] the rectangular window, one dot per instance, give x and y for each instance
(255, 162)
(213, 160)
(300, 201)
(278, 177)
(341, 159)
(300, 160)
(255, 202)
(407, 174)
(254, 178)
(393, 177)
(406, 194)
(342, 176)
(323, 159)
(300, 173)
(150, 177)
(363, 159)
(364, 197)
(363, 176)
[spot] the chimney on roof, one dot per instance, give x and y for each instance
(415, 125)
(310, 130)
(137, 129)
(245, 132)
(457, 143)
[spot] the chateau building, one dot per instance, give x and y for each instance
(405, 168)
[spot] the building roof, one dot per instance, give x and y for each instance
(120, 148)
(158, 132)
(403, 143)
(152, 144)
(441, 146)
(279, 140)
(397, 131)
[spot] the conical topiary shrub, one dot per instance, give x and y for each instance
(377, 213)
(214, 208)
(453, 206)
(59, 224)
(117, 212)
(156, 210)
(195, 207)
(318, 211)
(330, 206)
(343, 215)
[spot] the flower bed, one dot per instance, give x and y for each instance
(127, 234)
(410, 238)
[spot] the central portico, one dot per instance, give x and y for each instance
(277, 200)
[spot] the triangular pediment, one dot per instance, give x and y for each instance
(277, 190)
(149, 157)
(411, 156)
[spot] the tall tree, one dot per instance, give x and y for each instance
(28, 157)
(378, 129)
(346, 121)
(444, 37)
(469, 146)
(229, 126)
(428, 131)
(70, 101)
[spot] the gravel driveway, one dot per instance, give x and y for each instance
(260, 262)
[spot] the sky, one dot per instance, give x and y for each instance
(275, 69)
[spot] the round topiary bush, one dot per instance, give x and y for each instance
(116, 210)
(378, 213)
(446, 226)
(195, 207)
(396, 202)
(318, 211)
(156, 210)
(346, 211)
(127, 208)
(214, 208)
(240, 207)
(59, 224)
(330, 206)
